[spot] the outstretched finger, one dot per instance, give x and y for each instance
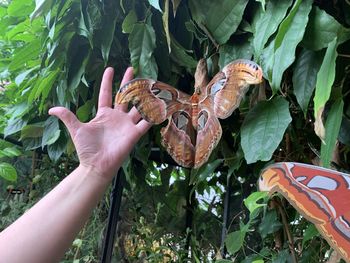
(134, 114)
(128, 75)
(105, 97)
(68, 118)
(143, 126)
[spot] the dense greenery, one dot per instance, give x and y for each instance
(54, 53)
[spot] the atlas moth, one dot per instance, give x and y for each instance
(321, 195)
(193, 129)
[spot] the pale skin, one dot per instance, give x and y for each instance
(47, 230)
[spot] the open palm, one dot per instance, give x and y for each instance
(105, 141)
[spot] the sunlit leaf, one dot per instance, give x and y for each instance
(263, 129)
(8, 172)
(41, 7)
(251, 202)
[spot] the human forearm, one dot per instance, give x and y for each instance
(52, 224)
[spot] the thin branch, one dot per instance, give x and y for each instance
(286, 228)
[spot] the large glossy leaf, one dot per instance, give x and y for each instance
(41, 7)
(267, 23)
(141, 45)
(263, 129)
(219, 27)
(289, 35)
(304, 76)
(239, 49)
(322, 29)
(333, 123)
(325, 77)
(8, 172)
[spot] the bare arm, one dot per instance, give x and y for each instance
(46, 231)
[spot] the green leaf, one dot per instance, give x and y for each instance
(129, 22)
(269, 224)
(8, 172)
(14, 125)
(34, 130)
(325, 77)
(251, 202)
(323, 29)
(234, 241)
(51, 131)
(219, 27)
(41, 7)
(263, 129)
(237, 50)
(44, 86)
(180, 56)
(77, 67)
(141, 45)
(20, 8)
(23, 55)
(84, 112)
(310, 233)
(283, 257)
(267, 23)
(56, 149)
(11, 152)
(155, 4)
(165, 19)
(288, 37)
(205, 171)
(106, 34)
(332, 126)
(304, 76)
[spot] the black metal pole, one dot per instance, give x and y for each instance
(113, 216)
(226, 216)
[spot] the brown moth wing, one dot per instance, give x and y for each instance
(155, 100)
(229, 86)
(178, 137)
(208, 134)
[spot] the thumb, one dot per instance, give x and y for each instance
(68, 118)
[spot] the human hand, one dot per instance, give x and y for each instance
(103, 143)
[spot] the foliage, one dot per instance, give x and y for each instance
(54, 53)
